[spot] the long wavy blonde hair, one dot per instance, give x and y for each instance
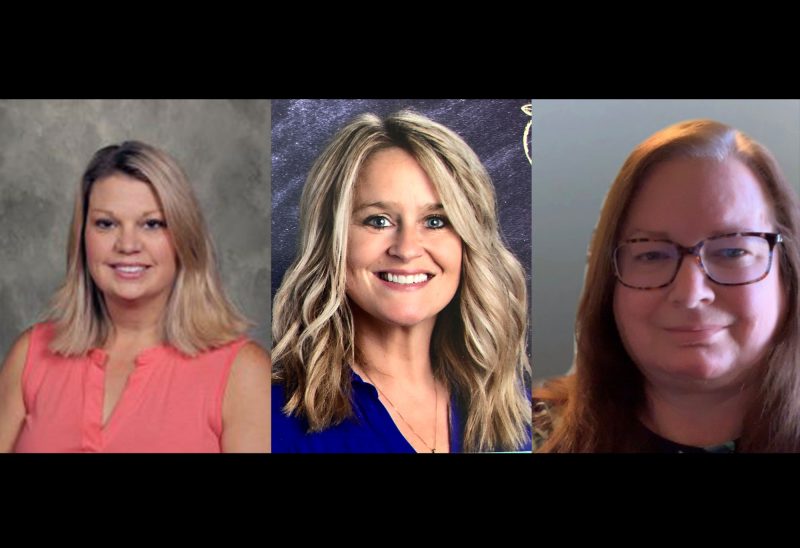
(603, 397)
(478, 346)
(198, 314)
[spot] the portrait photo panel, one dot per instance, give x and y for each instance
(222, 145)
(578, 147)
(494, 128)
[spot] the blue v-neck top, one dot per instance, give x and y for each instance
(370, 429)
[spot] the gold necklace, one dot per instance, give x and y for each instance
(435, 412)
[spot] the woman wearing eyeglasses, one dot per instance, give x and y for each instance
(687, 330)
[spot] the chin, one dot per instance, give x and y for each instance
(410, 318)
(700, 370)
(406, 321)
(124, 298)
(132, 296)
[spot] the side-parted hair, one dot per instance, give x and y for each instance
(478, 346)
(198, 316)
(603, 398)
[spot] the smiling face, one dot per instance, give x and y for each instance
(693, 330)
(403, 257)
(129, 250)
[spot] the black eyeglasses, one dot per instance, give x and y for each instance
(739, 258)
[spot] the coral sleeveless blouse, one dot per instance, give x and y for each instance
(171, 402)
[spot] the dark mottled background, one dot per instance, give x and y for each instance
(222, 145)
(493, 128)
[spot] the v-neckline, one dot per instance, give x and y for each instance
(105, 421)
(101, 358)
(388, 417)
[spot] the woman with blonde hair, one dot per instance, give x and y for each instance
(141, 350)
(401, 325)
(687, 330)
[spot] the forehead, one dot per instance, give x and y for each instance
(120, 192)
(393, 174)
(691, 198)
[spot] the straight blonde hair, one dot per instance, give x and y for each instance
(198, 315)
(478, 346)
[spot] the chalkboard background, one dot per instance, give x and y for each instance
(493, 128)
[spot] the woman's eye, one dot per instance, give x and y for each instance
(652, 256)
(731, 253)
(103, 223)
(378, 221)
(435, 221)
(153, 224)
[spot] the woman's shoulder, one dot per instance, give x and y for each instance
(38, 336)
(283, 423)
(545, 417)
(289, 431)
(250, 355)
(35, 338)
(238, 353)
(245, 410)
(40, 332)
(14, 360)
(367, 430)
(250, 367)
(549, 402)
(23, 340)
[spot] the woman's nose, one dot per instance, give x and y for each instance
(691, 286)
(406, 244)
(128, 240)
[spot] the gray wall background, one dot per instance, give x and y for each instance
(223, 145)
(578, 146)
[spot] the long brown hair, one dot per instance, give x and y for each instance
(602, 399)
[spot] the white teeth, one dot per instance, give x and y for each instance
(130, 269)
(401, 279)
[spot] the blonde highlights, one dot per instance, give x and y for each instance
(198, 315)
(478, 346)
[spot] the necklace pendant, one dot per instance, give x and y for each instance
(433, 450)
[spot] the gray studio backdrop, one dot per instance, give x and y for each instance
(223, 145)
(578, 146)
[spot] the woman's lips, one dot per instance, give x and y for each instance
(404, 281)
(129, 271)
(693, 334)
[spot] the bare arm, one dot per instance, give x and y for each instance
(12, 407)
(246, 404)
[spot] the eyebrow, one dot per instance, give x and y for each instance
(145, 214)
(719, 232)
(645, 233)
(395, 205)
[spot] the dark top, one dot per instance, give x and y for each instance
(546, 416)
(370, 429)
